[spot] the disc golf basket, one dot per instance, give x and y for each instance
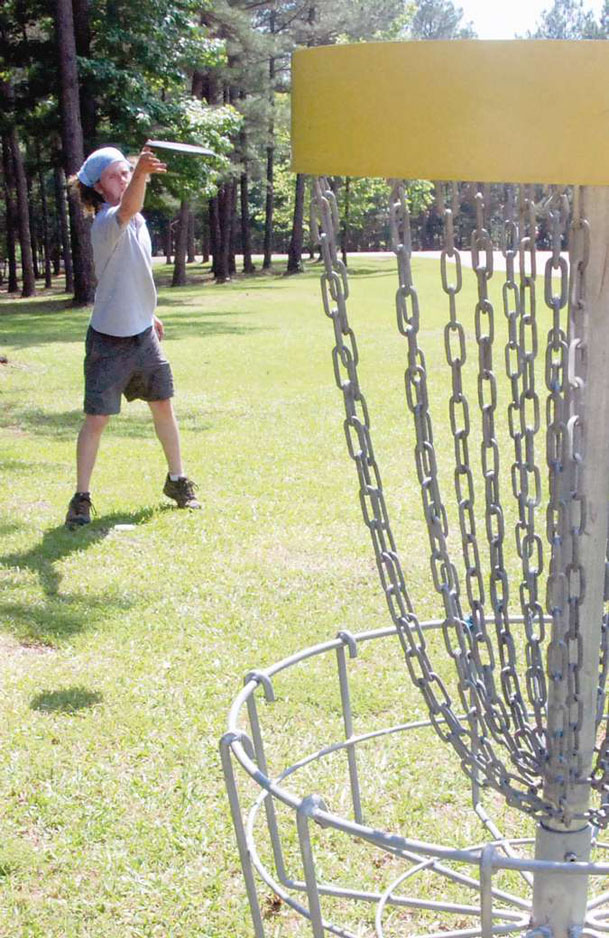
(513, 673)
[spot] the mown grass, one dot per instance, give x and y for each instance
(125, 643)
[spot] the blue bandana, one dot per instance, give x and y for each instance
(92, 168)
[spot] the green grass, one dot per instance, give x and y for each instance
(123, 648)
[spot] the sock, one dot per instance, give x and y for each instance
(174, 478)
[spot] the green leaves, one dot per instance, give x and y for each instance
(212, 127)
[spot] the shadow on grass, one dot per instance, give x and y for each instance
(40, 321)
(65, 424)
(67, 700)
(47, 320)
(60, 616)
(201, 278)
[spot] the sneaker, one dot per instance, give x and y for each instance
(182, 491)
(79, 510)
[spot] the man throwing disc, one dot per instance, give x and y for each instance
(123, 354)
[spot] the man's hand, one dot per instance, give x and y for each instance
(133, 196)
(159, 328)
(148, 162)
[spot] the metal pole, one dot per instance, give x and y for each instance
(244, 854)
(345, 697)
(559, 905)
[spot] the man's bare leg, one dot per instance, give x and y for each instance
(166, 427)
(87, 447)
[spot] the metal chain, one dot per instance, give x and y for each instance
(523, 745)
(491, 718)
(518, 241)
(566, 513)
(359, 442)
(483, 656)
(487, 716)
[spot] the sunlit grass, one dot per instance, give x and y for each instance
(125, 643)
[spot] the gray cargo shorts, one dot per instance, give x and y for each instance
(132, 365)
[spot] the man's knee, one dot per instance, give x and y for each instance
(95, 423)
(163, 408)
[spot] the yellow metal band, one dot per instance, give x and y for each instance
(516, 111)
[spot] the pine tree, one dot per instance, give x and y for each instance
(439, 19)
(567, 19)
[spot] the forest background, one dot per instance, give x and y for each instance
(78, 74)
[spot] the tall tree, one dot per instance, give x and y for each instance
(64, 227)
(10, 215)
(567, 19)
(244, 198)
(16, 168)
(46, 228)
(179, 270)
(439, 19)
(88, 104)
(73, 150)
(604, 20)
(270, 158)
(294, 264)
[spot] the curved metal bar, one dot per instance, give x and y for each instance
(424, 856)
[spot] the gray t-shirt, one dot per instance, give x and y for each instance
(125, 299)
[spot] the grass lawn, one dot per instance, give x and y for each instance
(125, 643)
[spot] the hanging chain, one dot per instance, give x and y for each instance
(491, 717)
(467, 641)
(518, 241)
(334, 285)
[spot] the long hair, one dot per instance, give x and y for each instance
(90, 200)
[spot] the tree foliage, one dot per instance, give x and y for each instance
(568, 19)
(438, 19)
(215, 72)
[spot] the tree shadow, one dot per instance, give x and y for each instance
(65, 424)
(66, 700)
(40, 321)
(189, 324)
(28, 329)
(61, 615)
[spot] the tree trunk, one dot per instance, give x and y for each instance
(88, 105)
(73, 152)
(179, 267)
(17, 169)
(191, 238)
(269, 206)
(46, 228)
(28, 283)
(215, 237)
(168, 241)
(346, 221)
(64, 227)
(56, 252)
(232, 230)
(246, 228)
(222, 272)
(270, 165)
(11, 214)
(295, 248)
(32, 217)
(205, 249)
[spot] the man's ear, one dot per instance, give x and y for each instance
(98, 189)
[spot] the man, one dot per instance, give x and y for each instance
(123, 352)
